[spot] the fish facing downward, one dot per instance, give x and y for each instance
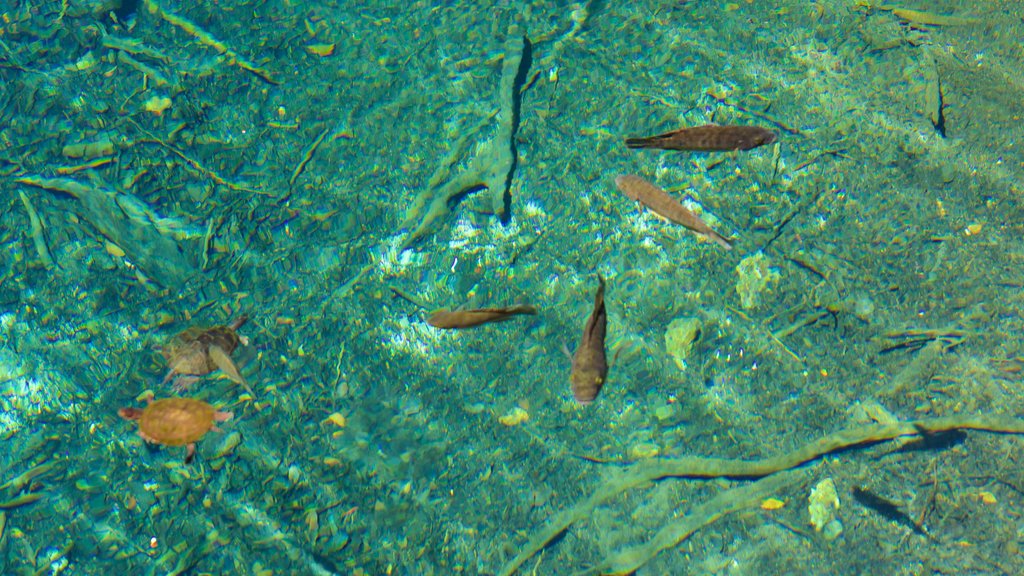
(707, 138)
(659, 202)
(589, 363)
(447, 319)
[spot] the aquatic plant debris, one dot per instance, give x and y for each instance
(648, 471)
(494, 163)
(502, 162)
(307, 155)
(129, 223)
(18, 483)
(628, 560)
(21, 500)
(207, 39)
(36, 229)
(933, 91)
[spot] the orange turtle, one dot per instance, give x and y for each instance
(175, 421)
(199, 351)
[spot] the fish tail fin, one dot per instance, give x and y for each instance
(721, 240)
(639, 143)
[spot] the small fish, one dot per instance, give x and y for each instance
(708, 138)
(447, 319)
(659, 202)
(589, 363)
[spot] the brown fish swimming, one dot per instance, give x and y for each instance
(707, 138)
(448, 319)
(659, 202)
(589, 363)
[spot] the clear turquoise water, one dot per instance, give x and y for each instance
(273, 158)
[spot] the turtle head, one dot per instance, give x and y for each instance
(130, 413)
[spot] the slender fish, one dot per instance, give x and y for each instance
(659, 202)
(589, 363)
(708, 138)
(447, 319)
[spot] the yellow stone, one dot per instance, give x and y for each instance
(114, 250)
(987, 497)
(822, 504)
(89, 150)
(157, 104)
(643, 451)
(85, 62)
(515, 417)
(337, 419)
(772, 504)
(680, 337)
(755, 275)
(321, 50)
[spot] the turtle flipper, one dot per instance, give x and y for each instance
(182, 382)
(223, 361)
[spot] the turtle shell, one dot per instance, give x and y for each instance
(188, 352)
(176, 421)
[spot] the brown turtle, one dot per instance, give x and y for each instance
(198, 351)
(175, 421)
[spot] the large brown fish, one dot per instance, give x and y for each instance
(708, 138)
(659, 202)
(589, 364)
(468, 318)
